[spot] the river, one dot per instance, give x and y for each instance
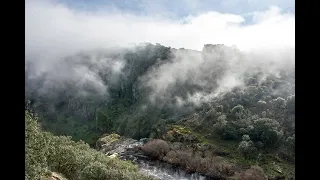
(155, 168)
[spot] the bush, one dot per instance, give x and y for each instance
(156, 148)
(211, 166)
(230, 131)
(267, 131)
(75, 160)
(254, 173)
(99, 171)
(290, 143)
(247, 148)
(35, 148)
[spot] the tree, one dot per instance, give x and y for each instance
(267, 131)
(291, 107)
(291, 103)
(237, 112)
(278, 106)
(220, 124)
(246, 147)
(290, 143)
(251, 93)
(261, 105)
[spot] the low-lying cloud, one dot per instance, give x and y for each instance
(54, 31)
(200, 76)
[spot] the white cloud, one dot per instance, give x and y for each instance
(54, 28)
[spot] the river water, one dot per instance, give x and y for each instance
(155, 168)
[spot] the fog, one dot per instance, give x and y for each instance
(54, 32)
(213, 72)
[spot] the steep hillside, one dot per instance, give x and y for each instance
(242, 102)
(102, 91)
(49, 156)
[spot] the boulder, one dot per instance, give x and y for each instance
(144, 140)
(114, 155)
(107, 141)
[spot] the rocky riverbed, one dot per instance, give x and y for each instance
(129, 149)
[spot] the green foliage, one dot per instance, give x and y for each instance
(99, 171)
(35, 148)
(181, 129)
(290, 142)
(230, 131)
(221, 123)
(264, 108)
(109, 138)
(247, 148)
(267, 131)
(237, 112)
(75, 160)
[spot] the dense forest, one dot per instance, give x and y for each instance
(243, 103)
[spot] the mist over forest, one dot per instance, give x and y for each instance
(230, 81)
(170, 83)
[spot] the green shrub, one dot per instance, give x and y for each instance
(267, 131)
(75, 160)
(35, 149)
(247, 148)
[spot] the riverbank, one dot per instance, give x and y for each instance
(163, 159)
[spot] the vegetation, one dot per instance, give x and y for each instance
(46, 153)
(249, 124)
(191, 159)
(253, 173)
(107, 140)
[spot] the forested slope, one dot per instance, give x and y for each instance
(221, 93)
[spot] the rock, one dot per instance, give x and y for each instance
(113, 155)
(144, 140)
(114, 145)
(54, 176)
(110, 144)
(107, 141)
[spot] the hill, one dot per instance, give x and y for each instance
(242, 102)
